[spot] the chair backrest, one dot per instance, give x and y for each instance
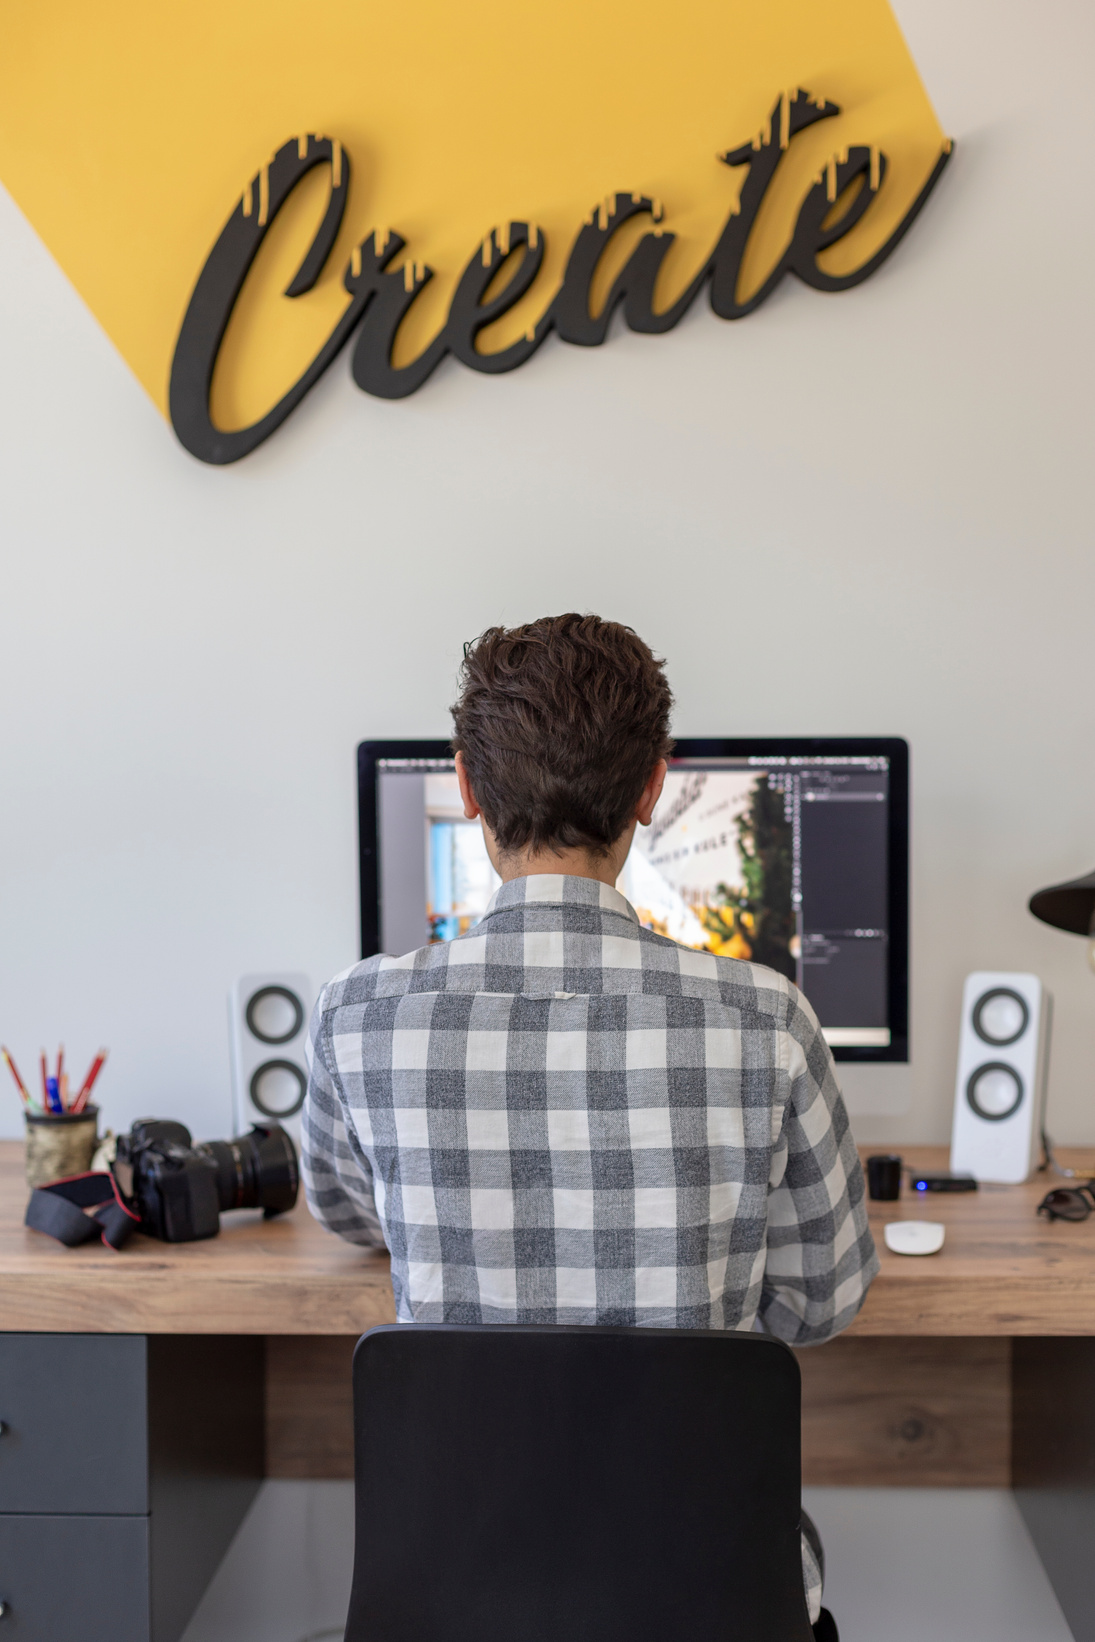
(575, 1485)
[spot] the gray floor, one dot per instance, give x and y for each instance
(949, 1564)
(904, 1564)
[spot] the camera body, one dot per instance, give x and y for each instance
(180, 1190)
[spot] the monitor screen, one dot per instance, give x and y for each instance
(792, 853)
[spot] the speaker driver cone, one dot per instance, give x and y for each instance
(274, 1014)
(994, 1091)
(1000, 1016)
(278, 1088)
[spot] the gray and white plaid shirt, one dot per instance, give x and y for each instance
(562, 1117)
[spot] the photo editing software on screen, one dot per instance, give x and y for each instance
(794, 860)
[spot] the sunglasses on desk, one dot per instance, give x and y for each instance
(1068, 1202)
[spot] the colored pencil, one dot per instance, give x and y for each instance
(14, 1070)
(85, 1088)
(60, 1063)
(45, 1083)
(64, 1090)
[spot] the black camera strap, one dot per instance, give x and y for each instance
(58, 1210)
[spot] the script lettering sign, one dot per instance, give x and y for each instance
(382, 288)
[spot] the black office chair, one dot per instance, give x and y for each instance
(576, 1485)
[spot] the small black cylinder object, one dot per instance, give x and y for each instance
(884, 1177)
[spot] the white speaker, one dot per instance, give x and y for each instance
(999, 1097)
(269, 1016)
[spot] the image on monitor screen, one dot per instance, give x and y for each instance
(792, 855)
(459, 877)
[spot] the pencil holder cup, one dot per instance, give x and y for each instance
(59, 1144)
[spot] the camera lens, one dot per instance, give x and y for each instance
(256, 1171)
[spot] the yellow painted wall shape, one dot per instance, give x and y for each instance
(128, 136)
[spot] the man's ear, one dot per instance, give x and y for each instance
(472, 811)
(650, 793)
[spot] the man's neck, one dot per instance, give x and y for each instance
(568, 863)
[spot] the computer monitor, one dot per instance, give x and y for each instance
(794, 853)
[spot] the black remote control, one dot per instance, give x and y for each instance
(941, 1180)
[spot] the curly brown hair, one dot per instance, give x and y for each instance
(561, 722)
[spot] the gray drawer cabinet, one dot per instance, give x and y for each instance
(74, 1577)
(75, 1423)
(127, 1463)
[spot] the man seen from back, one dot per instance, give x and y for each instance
(562, 1116)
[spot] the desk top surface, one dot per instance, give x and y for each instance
(1002, 1271)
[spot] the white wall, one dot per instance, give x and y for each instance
(857, 514)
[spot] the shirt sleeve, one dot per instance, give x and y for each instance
(820, 1257)
(338, 1179)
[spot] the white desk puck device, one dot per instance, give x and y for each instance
(914, 1236)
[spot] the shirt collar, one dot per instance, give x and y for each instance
(558, 889)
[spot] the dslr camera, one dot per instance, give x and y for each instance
(180, 1190)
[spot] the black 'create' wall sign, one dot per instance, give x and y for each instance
(502, 269)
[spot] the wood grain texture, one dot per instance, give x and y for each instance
(309, 1405)
(1002, 1272)
(281, 1276)
(875, 1413)
(929, 1413)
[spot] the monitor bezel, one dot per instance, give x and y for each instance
(893, 748)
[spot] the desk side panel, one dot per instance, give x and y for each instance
(1054, 1467)
(206, 1399)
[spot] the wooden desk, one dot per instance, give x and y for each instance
(965, 1368)
(282, 1276)
(1003, 1272)
(917, 1391)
